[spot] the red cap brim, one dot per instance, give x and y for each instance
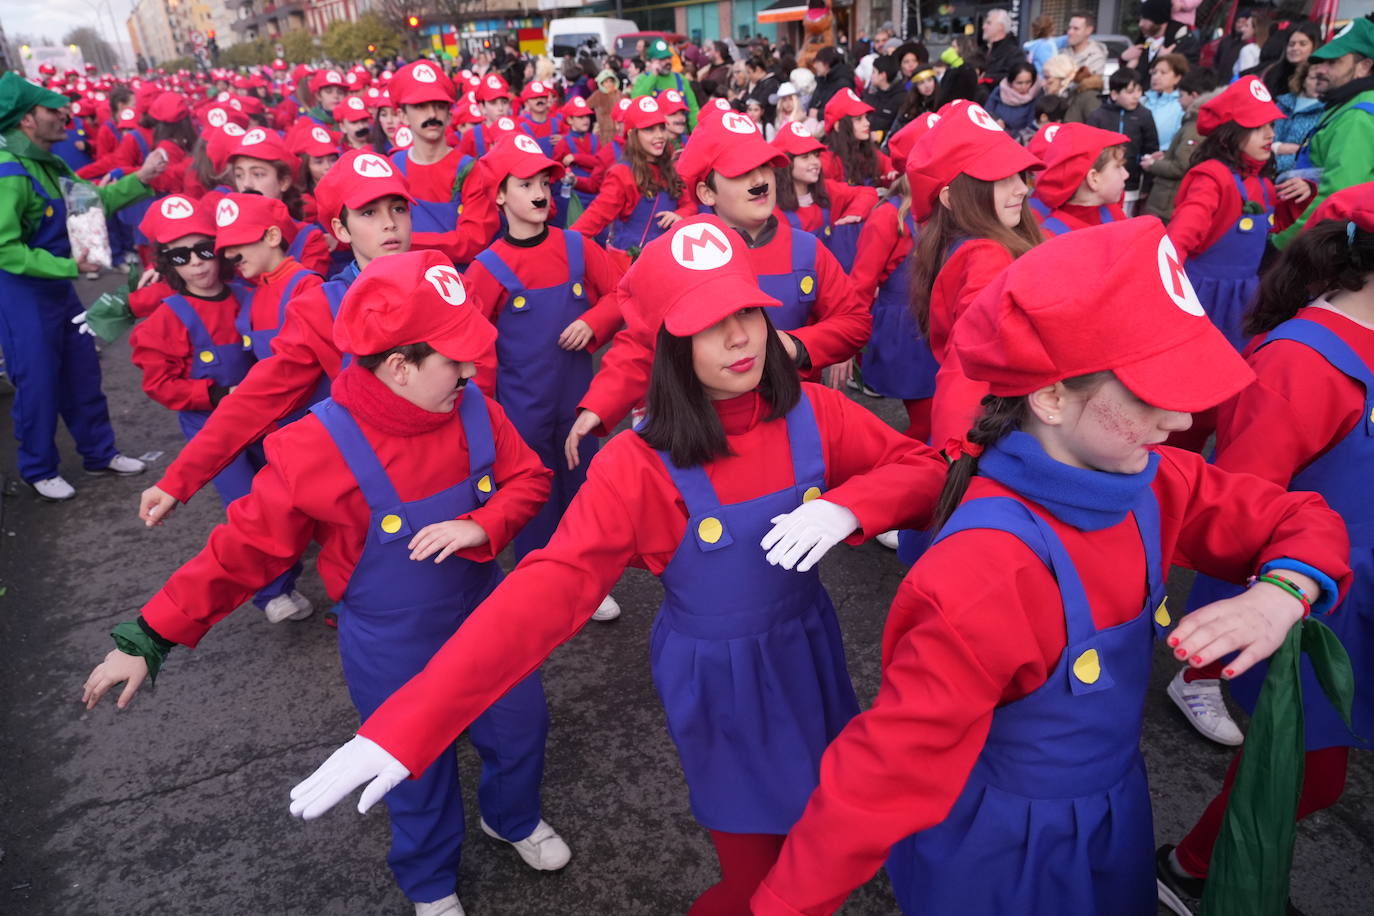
(1191, 376)
(716, 298)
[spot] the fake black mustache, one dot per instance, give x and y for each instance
(540, 204)
(759, 190)
(234, 259)
(251, 191)
(432, 122)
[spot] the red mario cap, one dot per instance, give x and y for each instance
(467, 113)
(241, 219)
(618, 112)
(353, 108)
(700, 272)
(1135, 314)
(795, 140)
(713, 111)
(844, 104)
(501, 128)
(220, 142)
(1354, 204)
(537, 89)
(967, 141)
(220, 115)
(408, 298)
(358, 178)
(1246, 101)
(419, 82)
(519, 155)
(314, 141)
(260, 143)
(576, 107)
(1069, 157)
(322, 78)
(900, 144)
(493, 87)
(357, 79)
(169, 107)
(731, 146)
(174, 217)
(643, 112)
(670, 101)
(300, 71)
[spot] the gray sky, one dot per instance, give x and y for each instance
(54, 18)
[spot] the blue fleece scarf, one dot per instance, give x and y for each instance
(1088, 500)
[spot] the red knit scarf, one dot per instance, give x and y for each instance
(368, 399)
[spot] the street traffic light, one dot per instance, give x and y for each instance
(413, 22)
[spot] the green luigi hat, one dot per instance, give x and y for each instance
(1355, 38)
(18, 97)
(658, 50)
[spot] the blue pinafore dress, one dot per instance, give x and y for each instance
(538, 383)
(1341, 476)
(843, 241)
(1055, 817)
(898, 362)
(641, 226)
(747, 657)
(1226, 275)
(395, 614)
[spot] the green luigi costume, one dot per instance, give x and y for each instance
(1342, 143)
(52, 365)
(649, 83)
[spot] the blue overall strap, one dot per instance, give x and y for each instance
(577, 263)
(954, 247)
(1105, 215)
(1052, 223)
(480, 140)
(195, 327)
(302, 236)
(244, 320)
(793, 220)
(459, 176)
(1038, 206)
(140, 142)
(287, 293)
(619, 149)
(400, 158)
(825, 220)
(804, 246)
(1146, 513)
(358, 454)
(804, 435)
(472, 411)
(594, 140)
(1245, 195)
(677, 78)
(500, 270)
(110, 125)
(1335, 351)
(336, 286)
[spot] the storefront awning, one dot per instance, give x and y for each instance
(783, 11)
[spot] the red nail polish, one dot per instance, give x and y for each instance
(1173, 640)
(1197, 659)
(1181, 653)
(1230, 672)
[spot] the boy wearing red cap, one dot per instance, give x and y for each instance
(192, 355)
(1084, 177)
(552, 296)
(261, 164)
(1004, 744)
(578, 150)
(329, 89)
(354, 120)
(675, 112)
(739, 476)
(494, 97)
(412, 482)
(535, 120)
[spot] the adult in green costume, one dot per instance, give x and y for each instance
(660, 76)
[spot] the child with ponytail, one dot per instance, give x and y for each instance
(1304, 425)
(1000, 764)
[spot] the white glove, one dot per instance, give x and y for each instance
(347, 768)
(807, 531)
(81, 325)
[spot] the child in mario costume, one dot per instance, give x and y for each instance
(412, 482)
(1084, 177)
(738, 475)
(1004, 743)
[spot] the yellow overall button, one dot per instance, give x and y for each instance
(1271, 219)
(827, 230)
(48, 212)
(247, 341)
(710, 530)
(1162, 614)
(1247, 224)
(206, 356)
(1087, 668)
(807, 285)
(484, 484)
(577, 289)
(391, 523)
(810, 494)
(519, 302)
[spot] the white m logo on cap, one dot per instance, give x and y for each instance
(1051, 132)
(424, 73)
(232, 129)
(216, 117)
(978, 115)
(1175, 279)
(320, 134)
(738, 123)
(226, 213)
(701, 247)
(255, 136)
(1260, 91)
(447, 284)
(526, 143)
(370, 165)
(176, 208)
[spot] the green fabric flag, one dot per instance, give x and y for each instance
(109, 316)
(575, 208)
(1254, 853)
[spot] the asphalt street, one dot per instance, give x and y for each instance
(179, 804)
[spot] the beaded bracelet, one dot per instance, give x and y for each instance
(1288, 585)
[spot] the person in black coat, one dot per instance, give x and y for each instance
(832, 75)
(1004, 51)
(885, 94)
(1123, 113)
(1161, 35)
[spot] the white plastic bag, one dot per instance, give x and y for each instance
(90, 238)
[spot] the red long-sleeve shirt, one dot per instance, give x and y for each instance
(1076, 216)
(617, 199)
(881, 251)
(845, 200)
(161, 348)
(265, 311)
(1208, 205)
(838, 328)
(579, 147)
(478, 220)
(978, 623)
(629, 513)
(127, 155)
(1299, 406)
(307, 492)
(106, 139)
(545, 265)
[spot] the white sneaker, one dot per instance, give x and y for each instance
(122, 465)
(542, 850)
(281, 608)
(303, 606)
(888, 539)
(92, 275)
(54, 489)
(608, 609)
(448, 906)
(1202, 704)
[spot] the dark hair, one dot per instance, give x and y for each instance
(1000, 417)
(830, 56)
(681, 420)
(202, 166)
(169, 272)
(1177, 63)
(1323, 258)
(648, 179)
(1089, 18)
(723, 50)
(911, 47)
(787, 193)
(1042, 27)
(1296, 83)
(411, 353)
(858, 157)
(1122, 79)
(888, 66)
(1223, 144)
(1198, 80)
(1053, 107)
(1017, 69)
(971, 213)
(121, 96)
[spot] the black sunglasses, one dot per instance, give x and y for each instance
(180, 257)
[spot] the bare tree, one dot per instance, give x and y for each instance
(94, 48)
(397, 13)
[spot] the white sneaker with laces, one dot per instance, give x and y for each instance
(542, 850)
(608, 609)
(888, 539)
(303, 606)
(281, 608)
(54, 489)
(122, 465)
(1202, 704)
(447, 906)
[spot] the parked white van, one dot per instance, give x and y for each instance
(568, 34)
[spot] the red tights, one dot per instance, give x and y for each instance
(1322, 785)
(918, 419)
(745, 859)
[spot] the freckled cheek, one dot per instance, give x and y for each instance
(1118, 425)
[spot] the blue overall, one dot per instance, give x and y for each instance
(1226, 275)
(538, 383)
(898, 362)
(1055, 816)
(69, 152)
(225, 364)
(395, 614)
(528, 124)
(1038, 207)
(53, 365)
(132, 215)
(1341, 476)
(641, 226)
(843, 241)
(433, 215)
(585, 196)
(747, 657)
(1057, 226)
(259, 340)
(797, 288)
(304, 233)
